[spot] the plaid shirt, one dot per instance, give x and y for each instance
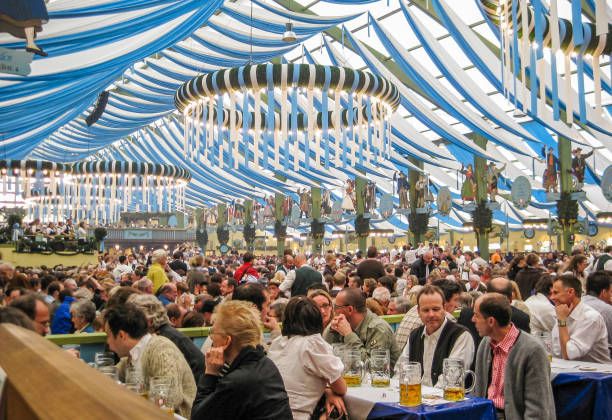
(410, 322)
(500, 356)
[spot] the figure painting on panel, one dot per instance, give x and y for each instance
(402, 190)
(419, 191)
(304, 202)
(348, 201)
(370, 197)
(211, 218)
(468, 190)
(549, 180)
(24, 19)
(238, 212)
(492, 177)
(269, 210)
(578, 166)
(326, 202)
(287, 205)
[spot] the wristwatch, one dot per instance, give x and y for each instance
(562, 323)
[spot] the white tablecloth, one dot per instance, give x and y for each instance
(569, 366)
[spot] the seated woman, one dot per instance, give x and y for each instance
(83, 313)
(325, 304)
(305, 360)
(250, 386)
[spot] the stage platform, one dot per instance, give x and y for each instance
(33, 260)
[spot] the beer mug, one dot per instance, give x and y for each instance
(354, 368)
(160, 393)
(453, 379)
(104, 359)
(545, 338)
(378, 365)
(410, 383)
(134, 381)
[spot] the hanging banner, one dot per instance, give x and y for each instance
(606, 183)
(336, 214)
(521, 192)
(386, 206)
(295, 215)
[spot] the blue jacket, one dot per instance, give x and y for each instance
(62, 323)
(164, 300)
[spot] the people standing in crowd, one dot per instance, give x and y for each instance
(528, 276)
(358, 328)
(438, 338)
(423, 267)
(371, 268)
(604, 262)
(157, 272)
(298, 280)
(240, 381)
(304, 359)
(246, 273)
(580, 333)
(62, 323)
(576, 266)
(121, 268)
(517, 393)
(127, 334)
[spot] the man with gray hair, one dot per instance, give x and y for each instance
(144, 285)
(476, 284)
(398, 305)
(159, 324)
(157, 270)
(382, 295)
(6, 273)
(83, 313)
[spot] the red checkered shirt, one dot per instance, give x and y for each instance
(500, 356)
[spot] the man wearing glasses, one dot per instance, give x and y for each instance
(358, 328)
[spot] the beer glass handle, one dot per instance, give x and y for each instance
(471, 388)
(364, 367)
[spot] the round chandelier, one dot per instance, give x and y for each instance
(92, 191)
(335, 114)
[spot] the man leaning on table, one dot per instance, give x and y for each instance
(512, 367)
(580, 333)
(359, 328)
(438, 338)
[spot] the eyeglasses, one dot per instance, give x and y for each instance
(325, 306)
(336, 307)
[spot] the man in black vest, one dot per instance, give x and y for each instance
(298, 280)
(437, 339)
(602, 261)
(423, 267)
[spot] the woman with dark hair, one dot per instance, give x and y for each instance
(577, 266)
(305, 360)
(324, 301)
(515, 266)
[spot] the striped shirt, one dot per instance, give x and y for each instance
(500, 355)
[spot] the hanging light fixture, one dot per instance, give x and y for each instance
(353, 123)
(289, 36)
(93, 191)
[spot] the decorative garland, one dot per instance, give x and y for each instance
(317, 229)
(280, 230)
(417, 223)
(263, 75)
(362, 226)
(100, 233)
(482, 218)
(202, 236)
(248, 233)
(567, 209)
(222, 235)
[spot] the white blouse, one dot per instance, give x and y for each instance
(307, 364)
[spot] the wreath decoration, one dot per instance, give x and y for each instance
(202, 237)
(567, 209)
(417, 223)
(248, 233)
(482, 218)
(280, 230)
(317, 229)
(222, 235)
(362, 226)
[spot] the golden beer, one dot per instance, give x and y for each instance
(550, 358)
(381, 382)
(168, 410)
(352, 379)
(410, 395)
(454, 393)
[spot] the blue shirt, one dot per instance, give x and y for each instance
(62, 321)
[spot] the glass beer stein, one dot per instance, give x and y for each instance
(545, 338)
(410, 383)
(354, 368)
(453, 379)
(378, 365)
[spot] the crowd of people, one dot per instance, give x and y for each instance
(455, 304)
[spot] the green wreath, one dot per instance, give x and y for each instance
(280, 230)
(202, 236)
(567, 209)
(317, 229)
(248, 233)
(482, 218)
(417, 223)
(362, 226)
(222, 235)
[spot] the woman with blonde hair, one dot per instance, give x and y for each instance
(251, 376)
(325, 304)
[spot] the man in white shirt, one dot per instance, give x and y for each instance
(580, 333)
(598, 296)
(438, 338)
(393, 253)
(121, 268)
(411, 256)
(542, 310)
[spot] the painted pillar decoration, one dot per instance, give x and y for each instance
(492, 177)
(317, 229)
(567, 208)
(248, 231)
(550, 180)
(280, 227)
(482, 215)
(362, 224)
(402, 189)
(418, 218)
(349, 197)
(222, 230)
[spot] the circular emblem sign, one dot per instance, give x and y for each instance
(386, 205)
(606, 183)
(521, 192)
(444, 201)
(529, 233)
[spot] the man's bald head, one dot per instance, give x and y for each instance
(500, 285)
(299, 260)
(428, 256)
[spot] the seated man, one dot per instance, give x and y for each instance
(36, 309)
(437, 339)
(543, 315)
(167, 294)
(358, 328)
(598, 297)
(580, 333)
(512, 368)
(126, 329)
